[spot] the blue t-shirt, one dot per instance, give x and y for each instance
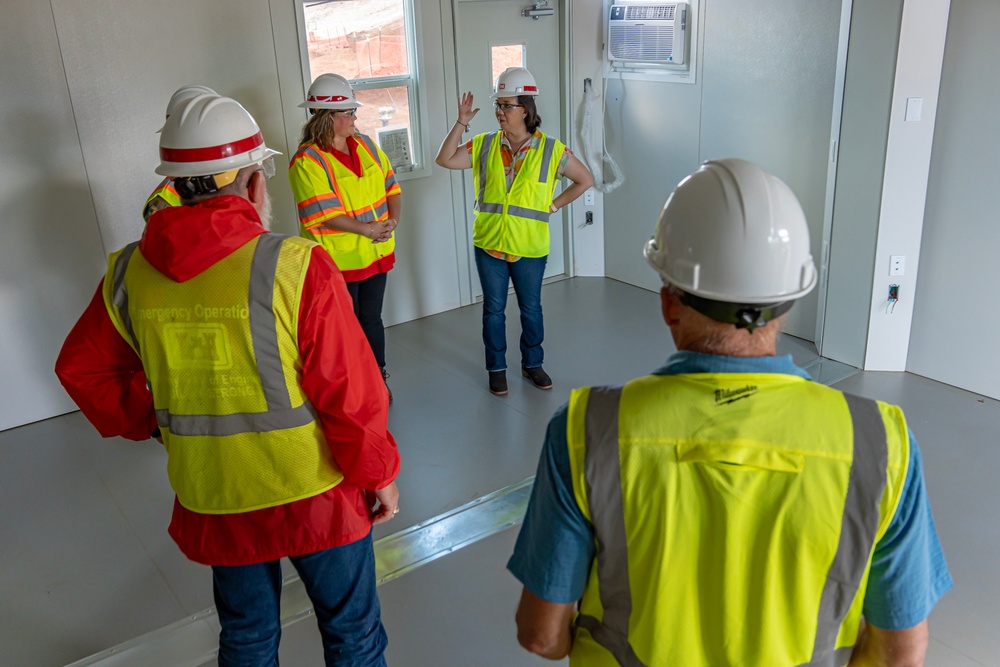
(555, 548)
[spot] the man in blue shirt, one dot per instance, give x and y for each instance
(732, 248)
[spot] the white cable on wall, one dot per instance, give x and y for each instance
(594, 162)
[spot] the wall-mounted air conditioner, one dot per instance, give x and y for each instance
(643, 34)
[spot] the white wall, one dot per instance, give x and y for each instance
(908, 154)
(586, 60)
(955, 319)
(50, 246)
(764, 92)
(871, 69)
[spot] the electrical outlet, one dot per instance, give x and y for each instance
(897, 264)
(588, 198)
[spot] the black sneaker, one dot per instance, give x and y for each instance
(538, 377)
(498, 382)
(385, 378)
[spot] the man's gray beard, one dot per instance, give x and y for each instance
(264, 211)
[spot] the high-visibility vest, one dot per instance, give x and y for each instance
(324, 188)
(220, 352)
(514, 221)
(165, 191)
(735, 517)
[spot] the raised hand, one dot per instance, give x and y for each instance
(465, 111)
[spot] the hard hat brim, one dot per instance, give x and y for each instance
(504, 93)
(212, 167)
(339, 106)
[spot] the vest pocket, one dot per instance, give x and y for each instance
(740, 456)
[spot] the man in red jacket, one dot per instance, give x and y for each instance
(239, 350)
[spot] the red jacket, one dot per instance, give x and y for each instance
(105, 378)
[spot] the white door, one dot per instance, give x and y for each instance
(493, 32)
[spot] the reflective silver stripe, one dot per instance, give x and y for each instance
(263, 328)
(241, 422)
(119, 295)
(484, 154)
(309, 210)
(390, 179)
(602, 473)
(517, 211)
(550, 146)
(839, 658)
(529, 213)
(371, 148)
(264, 339)
(372, 214)
(858, 528)
(315, 154)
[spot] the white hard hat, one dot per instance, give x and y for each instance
(734, 233)
(331, 91)
(183, 94)
(210, 134)
(515, 81)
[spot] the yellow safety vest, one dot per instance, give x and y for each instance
(221, 357)
(515, 221)
(165, 191)
(735, 517)
(324, 188)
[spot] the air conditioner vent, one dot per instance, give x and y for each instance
(651, 45)
(647, 13)
(643, 33)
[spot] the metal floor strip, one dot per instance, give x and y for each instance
(194, 641)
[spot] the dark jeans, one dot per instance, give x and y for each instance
(341, 584)
(495, 275)
(367, 295)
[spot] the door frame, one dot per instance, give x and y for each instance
(463, 236)
(823, 288)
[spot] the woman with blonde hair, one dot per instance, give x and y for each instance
(348, 200)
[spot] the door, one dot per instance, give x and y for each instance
(491, 35)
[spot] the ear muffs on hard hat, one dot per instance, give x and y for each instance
(515, 81)
(734, 234)
(209, 135)
(331, 91)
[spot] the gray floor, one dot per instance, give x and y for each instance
(86, 563)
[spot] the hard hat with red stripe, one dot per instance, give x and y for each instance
(331, 91)
(210, 134)
(515, 81)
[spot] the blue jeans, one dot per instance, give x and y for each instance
(368, 295)
(341, 584)
(495, 275)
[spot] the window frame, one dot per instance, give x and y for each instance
(412, 82)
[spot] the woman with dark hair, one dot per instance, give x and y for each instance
(348, 200)
(514, 175)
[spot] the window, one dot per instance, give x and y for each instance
(503, 56)
(370, 43)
